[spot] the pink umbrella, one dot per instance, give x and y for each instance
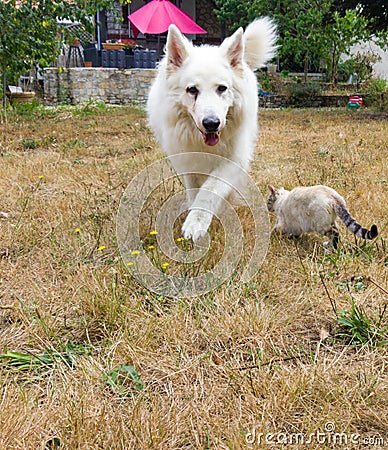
(156, 16)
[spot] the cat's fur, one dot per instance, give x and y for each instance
(313, 209)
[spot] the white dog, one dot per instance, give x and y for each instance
(204, 99)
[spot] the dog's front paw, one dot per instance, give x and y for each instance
(196, 224)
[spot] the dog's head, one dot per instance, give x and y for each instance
(205, 78)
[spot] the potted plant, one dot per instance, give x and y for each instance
(112, 44)
(129, 45)
(16, 95)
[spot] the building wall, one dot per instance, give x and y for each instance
(206, 19)
(114, 86)
(200, 10)
(116, 28)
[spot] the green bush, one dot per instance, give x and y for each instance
(361, 64)
(345, 69)
(301, 94)
(377, 93)
(265, 81)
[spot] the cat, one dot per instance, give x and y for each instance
(313, 209)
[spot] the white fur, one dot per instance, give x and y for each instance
(306, 210)
(195, 85)
(313, 209)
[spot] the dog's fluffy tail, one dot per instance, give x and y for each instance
(259, 39)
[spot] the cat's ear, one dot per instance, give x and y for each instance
(272, 189)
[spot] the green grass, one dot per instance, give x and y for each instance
(359, 329)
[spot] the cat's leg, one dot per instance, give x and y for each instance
(334, 237)
(333, 234)
(281, 230)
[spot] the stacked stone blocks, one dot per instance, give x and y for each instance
(114, 86)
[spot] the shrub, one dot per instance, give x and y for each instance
(377, 93)
(265, 81)
(361, 64)
(346, 69)
(301, 94)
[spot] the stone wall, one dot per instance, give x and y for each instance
(114, 86)
(119, 86)
(318, 101)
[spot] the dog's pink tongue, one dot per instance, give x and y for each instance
(211, 138)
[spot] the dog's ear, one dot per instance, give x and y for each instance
(233, 47)
(177, 47)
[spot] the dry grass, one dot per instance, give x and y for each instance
(264, 356)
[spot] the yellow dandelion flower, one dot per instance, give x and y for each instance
(101, 248)
(165, 265)
(40, 177)
(129, 264)
(181, 239)
(344, 143)
(77, 230)
(151, 247)
(135, 252)
(153, 233)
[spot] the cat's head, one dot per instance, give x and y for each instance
(274, 194)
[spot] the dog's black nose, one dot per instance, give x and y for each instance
(211, 123)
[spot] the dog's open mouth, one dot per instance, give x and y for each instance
(211, 138)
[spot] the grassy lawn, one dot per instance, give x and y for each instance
(90, 359)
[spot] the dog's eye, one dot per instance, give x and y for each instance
(192, 90)
(221, 88)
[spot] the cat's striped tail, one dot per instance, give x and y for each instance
(352, 224)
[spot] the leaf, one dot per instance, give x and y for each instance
(116, 378)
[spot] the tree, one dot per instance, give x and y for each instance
(309, 30)
(233, 13)
(301, 23)
(376, 11)
(29, 31)
(341, 33)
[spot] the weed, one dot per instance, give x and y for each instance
(359, 329)
(30, 144)
(19, 362)
(123, 380)
(89, 109)
(356, 284)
